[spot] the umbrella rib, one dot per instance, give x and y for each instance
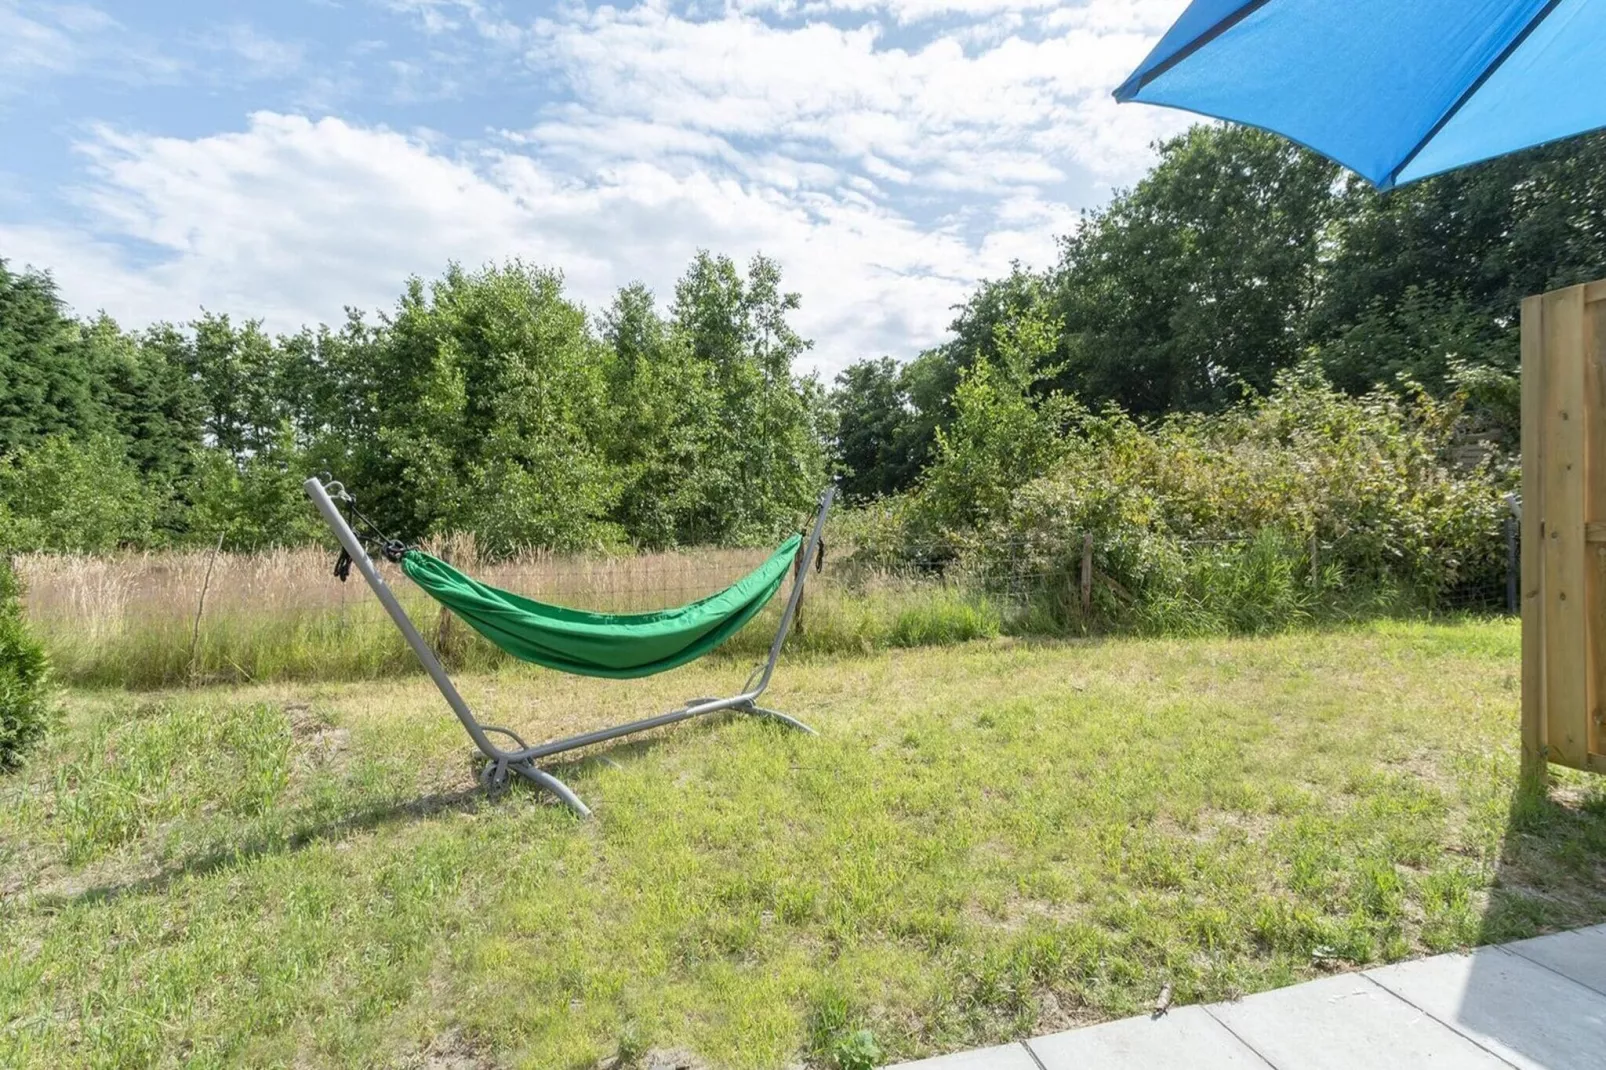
(1477, 84)
(1136, 84)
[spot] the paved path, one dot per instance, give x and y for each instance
(1538, 1004)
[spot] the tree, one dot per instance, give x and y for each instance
(1194, 284)
(480, 407)
(81, 496)
(256, 503)
(25, 692)
(1004, 433)
(45, 383)
(150, 400)
(763, 461)
(872, 423)
(239, 373)
(662, 398)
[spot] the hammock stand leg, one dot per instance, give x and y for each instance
(501, 762)
(775, 715)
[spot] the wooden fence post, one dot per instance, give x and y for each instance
(1087, 577)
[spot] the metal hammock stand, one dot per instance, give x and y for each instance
(522, 758)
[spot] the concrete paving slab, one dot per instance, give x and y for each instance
(1187, 1039)
(1524, 1013)
(1004, 1057)
(1580, 955)
(1346, 1023)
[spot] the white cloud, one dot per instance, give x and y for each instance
(257, 54)
(292, 219)
(885, 180)
(1029, 106)
(29, 47)
(41, 40)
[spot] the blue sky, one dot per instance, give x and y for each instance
(283, 160)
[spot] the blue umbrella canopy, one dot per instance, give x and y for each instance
(1396, 90)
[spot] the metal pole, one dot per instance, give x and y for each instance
(359, 556)
(790, 611)
(518, 761)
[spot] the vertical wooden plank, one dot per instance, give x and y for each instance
(1563, 420)
(1087, 578)
(1594, 514)
(1532, 572)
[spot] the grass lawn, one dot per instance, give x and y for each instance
(984, 842)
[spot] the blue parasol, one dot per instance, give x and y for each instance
(1394, 89)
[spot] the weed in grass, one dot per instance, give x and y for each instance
(856, 1051)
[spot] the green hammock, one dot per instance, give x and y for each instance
(617, 645)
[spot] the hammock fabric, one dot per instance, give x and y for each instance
(616, 645)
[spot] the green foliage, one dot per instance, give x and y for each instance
(1239, 255)
(255, 503)
(857, 1050)
(150, 399)
(1185, 287)
(763, 461)
(1302, 504)
(25, 693)
(45, 382)
(74, 495)
(997, 442)
(490, 402)
(831, 1036)
(1001, 436)
(1313, 489)
(486, 403)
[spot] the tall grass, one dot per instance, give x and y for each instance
(130, 620)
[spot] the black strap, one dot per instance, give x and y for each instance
(393, 548)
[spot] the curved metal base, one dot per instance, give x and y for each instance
(776, 715)
(555, 786)
(495, 775)
(494, 778)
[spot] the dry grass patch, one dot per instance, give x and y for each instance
(131, 620)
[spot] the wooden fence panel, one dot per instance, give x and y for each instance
(1564, 526)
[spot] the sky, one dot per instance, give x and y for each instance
(284, 160)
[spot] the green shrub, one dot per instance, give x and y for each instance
(76, 496)
(1304, 504)
(253, 504)
(25, 700)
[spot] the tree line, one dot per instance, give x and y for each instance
(486, 401)
(1240, 256)
(489, 401)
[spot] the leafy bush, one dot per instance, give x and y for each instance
(1305, 503)
(255, 504)
(75, 495)
(25, 706)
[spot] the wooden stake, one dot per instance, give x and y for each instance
(1087, 576)
(200, 607)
